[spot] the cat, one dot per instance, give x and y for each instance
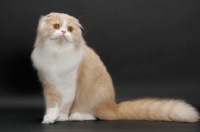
(77, 85)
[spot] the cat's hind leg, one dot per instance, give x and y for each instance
(78, 116)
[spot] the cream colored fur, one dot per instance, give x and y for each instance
(77, 85)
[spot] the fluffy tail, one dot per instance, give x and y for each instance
(149, 109)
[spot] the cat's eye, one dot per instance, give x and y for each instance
(56, 26)
(70, 29)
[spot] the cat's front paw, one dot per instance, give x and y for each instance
(49, 118)
(62, 117)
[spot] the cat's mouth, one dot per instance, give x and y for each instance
(62, 39)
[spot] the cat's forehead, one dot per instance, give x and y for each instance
(60, 18)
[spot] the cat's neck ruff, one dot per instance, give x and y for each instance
(54, 47)
(55, 57)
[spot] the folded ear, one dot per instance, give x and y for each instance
(45, 18)
(41, 18)
(41, 22)
(78, 23)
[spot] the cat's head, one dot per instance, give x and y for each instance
(59, 27)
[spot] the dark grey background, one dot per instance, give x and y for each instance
(151, 48)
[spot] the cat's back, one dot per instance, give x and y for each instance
(92, 68)
(91, 59)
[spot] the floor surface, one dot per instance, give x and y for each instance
(29, 120)
(23, 112)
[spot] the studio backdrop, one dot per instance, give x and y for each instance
(150, 48)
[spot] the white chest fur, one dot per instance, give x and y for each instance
(59, 65)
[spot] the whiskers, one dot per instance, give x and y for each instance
(85, 32)
(81, 16)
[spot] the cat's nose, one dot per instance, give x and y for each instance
(63, 31)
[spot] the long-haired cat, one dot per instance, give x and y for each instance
(77, 85)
